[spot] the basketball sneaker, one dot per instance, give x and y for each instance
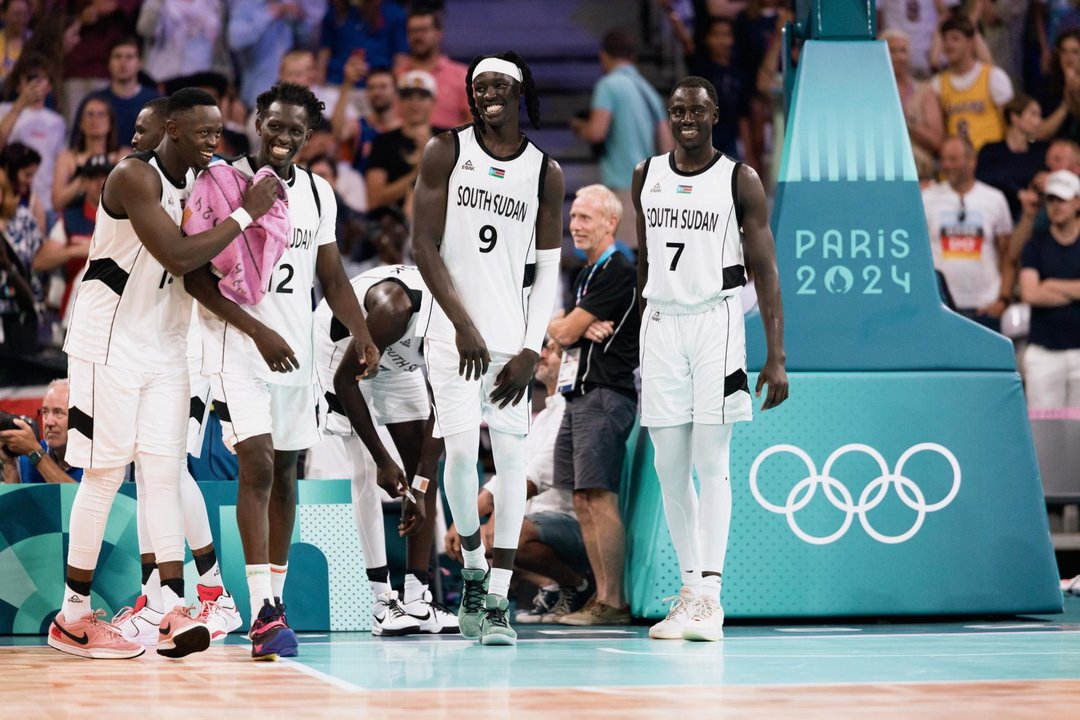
(270, 636)
(706, 620)
(495, 623)
(389, 618)
(180, 634)
(218, 611)
(472, 601)
(433, 618)
(91, 637)
(138, 624)
(671, 627)
(544, 602)
(287, 651)
(570, 601)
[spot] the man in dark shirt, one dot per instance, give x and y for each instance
(125, 93)
(600, 336)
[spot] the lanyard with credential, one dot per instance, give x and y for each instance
(584, 289)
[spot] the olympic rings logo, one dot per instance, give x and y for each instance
(840, 497)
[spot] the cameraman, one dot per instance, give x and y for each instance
(27, 460)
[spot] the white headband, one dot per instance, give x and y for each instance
(500, 66)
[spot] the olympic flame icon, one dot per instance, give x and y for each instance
(840, 497)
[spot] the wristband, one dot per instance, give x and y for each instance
(35, 457)
(420, 483)
(242, 218)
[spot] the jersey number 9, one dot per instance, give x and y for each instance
(488, 237)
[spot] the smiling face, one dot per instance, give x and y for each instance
(283, 130)
(497, 97)
(691, 115)
(195, 133)
(589, 225)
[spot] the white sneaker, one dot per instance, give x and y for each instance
(671, 627)
(139, 624)
(218, 611)
(706, 620)
(432, 617)
(389, 618)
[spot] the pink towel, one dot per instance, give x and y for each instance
(246, 263)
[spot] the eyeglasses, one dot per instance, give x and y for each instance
(698, 112)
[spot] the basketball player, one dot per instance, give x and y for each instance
(392, 298)
(699, 213)
(129, 384)
(264, 381)
(217, 607)
(487, 245)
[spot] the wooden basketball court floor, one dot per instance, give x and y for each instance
(1024, 667)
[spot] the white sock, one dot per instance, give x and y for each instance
(474, 559)
(277, 579)
(499, 584)
(152, 590)
(691, 579)
(380, 588)
(169, 599)
(212, 577)
(259, 587)
(414, 589)
(710, 587)
(76, 605)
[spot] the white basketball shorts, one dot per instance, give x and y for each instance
(249, 407)
(116, 412)
(392, 397)
(461, 404)
(693, 367)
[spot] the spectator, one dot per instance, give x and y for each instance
(28, 121)
(18, 310)
(94, 141)
(550, 548)
(299, 66)
(17, 15)
(381, 114)
(395, 156)
(922, 113)
(599, 332)
(29, 460)
(970, 227)
(1050, 283)
(260, 32)
(971, 93)
(372, 29)
(1003, 24)
(424, 33)
(716, 62)
(125, 93)
(88, 41)
(1050, 18)
(1062, 87)
(1011, 165)
(1061, 155)
(627, 116)
(181, 37)
(918, 20)
(21, 164)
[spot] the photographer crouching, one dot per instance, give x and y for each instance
(24, 457)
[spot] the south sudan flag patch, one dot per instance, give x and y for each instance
(496, 172)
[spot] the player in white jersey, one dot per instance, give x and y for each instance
(487, 243)
(141, 622)
(392, 297)
(129, 385)
(260, 358)
(698, 212)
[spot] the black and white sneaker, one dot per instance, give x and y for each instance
(432, 617)
(543, 603)
(389, 618)
(570, 600)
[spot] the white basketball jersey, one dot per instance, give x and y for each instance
(287, 306)
(691, 233)
(489, 240)
(128, 311)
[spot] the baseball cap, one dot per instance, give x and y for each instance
(1063, 184)
(417, 80)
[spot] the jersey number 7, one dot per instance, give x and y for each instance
(679, 247)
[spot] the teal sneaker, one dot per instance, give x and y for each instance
(495, 625)
(472, 601)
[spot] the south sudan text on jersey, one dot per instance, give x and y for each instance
(488, 201)
(682, 219)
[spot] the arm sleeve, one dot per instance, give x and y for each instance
(542, 297)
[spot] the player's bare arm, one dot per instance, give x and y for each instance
(430, 195)
(342, 301)
(761, 258)
(516, 376)
(202, 285)
(643, 247)
(134, 189)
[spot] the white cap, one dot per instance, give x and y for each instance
(417, 80)
(1063, 184)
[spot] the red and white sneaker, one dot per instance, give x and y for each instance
(91, 637)
(139, 624)
(218, 611)
(180, 634)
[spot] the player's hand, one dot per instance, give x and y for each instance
(369, 356)
(20, 441)
(514, 379)
(599, 330)
(775, 376)
(260, 196)
(391, 478)
(487, 535)
(473, 352)
(412, 515)
(452, 544)
(275, 351)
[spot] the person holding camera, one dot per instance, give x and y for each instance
(29, 460)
